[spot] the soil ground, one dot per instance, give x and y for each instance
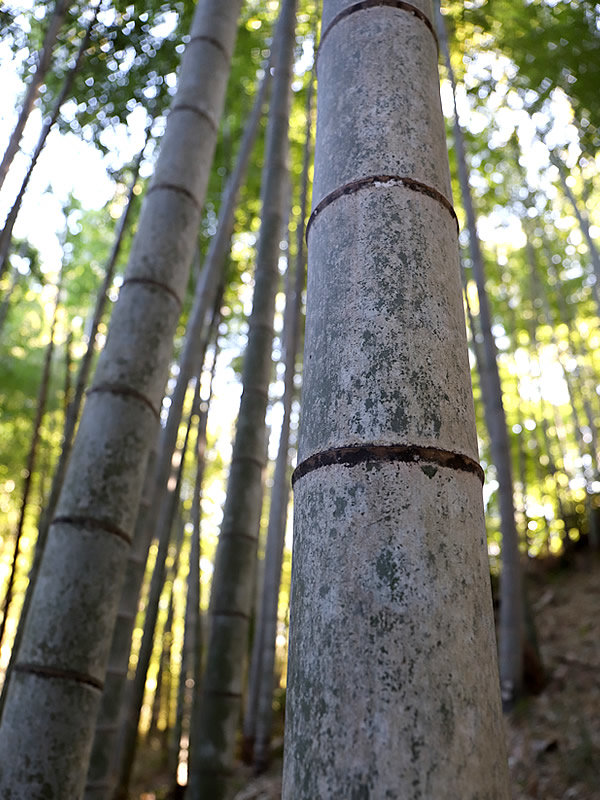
(554, 738)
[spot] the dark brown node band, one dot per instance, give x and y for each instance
(393, 180)
(195, 110)
(173, 187)
(223, 693)
(259, 462)
(90, 523)
(211, 40)
(225, 613)
(236, 535)
(125, 391)
(212, 769)
(256, 323)
(408, 454)
(62, 674)
(363, 5)
(157, 284)
(256, 390)
(119, 673)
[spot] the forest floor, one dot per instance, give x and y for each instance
(553, 738)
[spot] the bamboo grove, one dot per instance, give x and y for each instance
(151, 370)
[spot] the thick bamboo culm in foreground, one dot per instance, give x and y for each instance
(392, 651)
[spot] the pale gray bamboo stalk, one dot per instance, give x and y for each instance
(30, 462)
(191, 658)
(487, 413)
(473, 326)
(533, 668)
(584, 225)
(207, 291)
(566, 317)
(511, 625)
(257, 617)
(68, 389)
(6, 234)
(584, 390)
(71, 419)
(256, 623)
(183, 688)
(43, 65)
(54, 695)
(280, 490)
(188, 653)
(538, 292)
(44, 463)
(168, 678)
(135, 696)
(5, 304)
(83, 373)
(251, 700)
(101, 776)
(392, 653)
(522, 462)
(577, 349)
(573, 391)
(215, 725)
(163, 676)
(552, 468)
